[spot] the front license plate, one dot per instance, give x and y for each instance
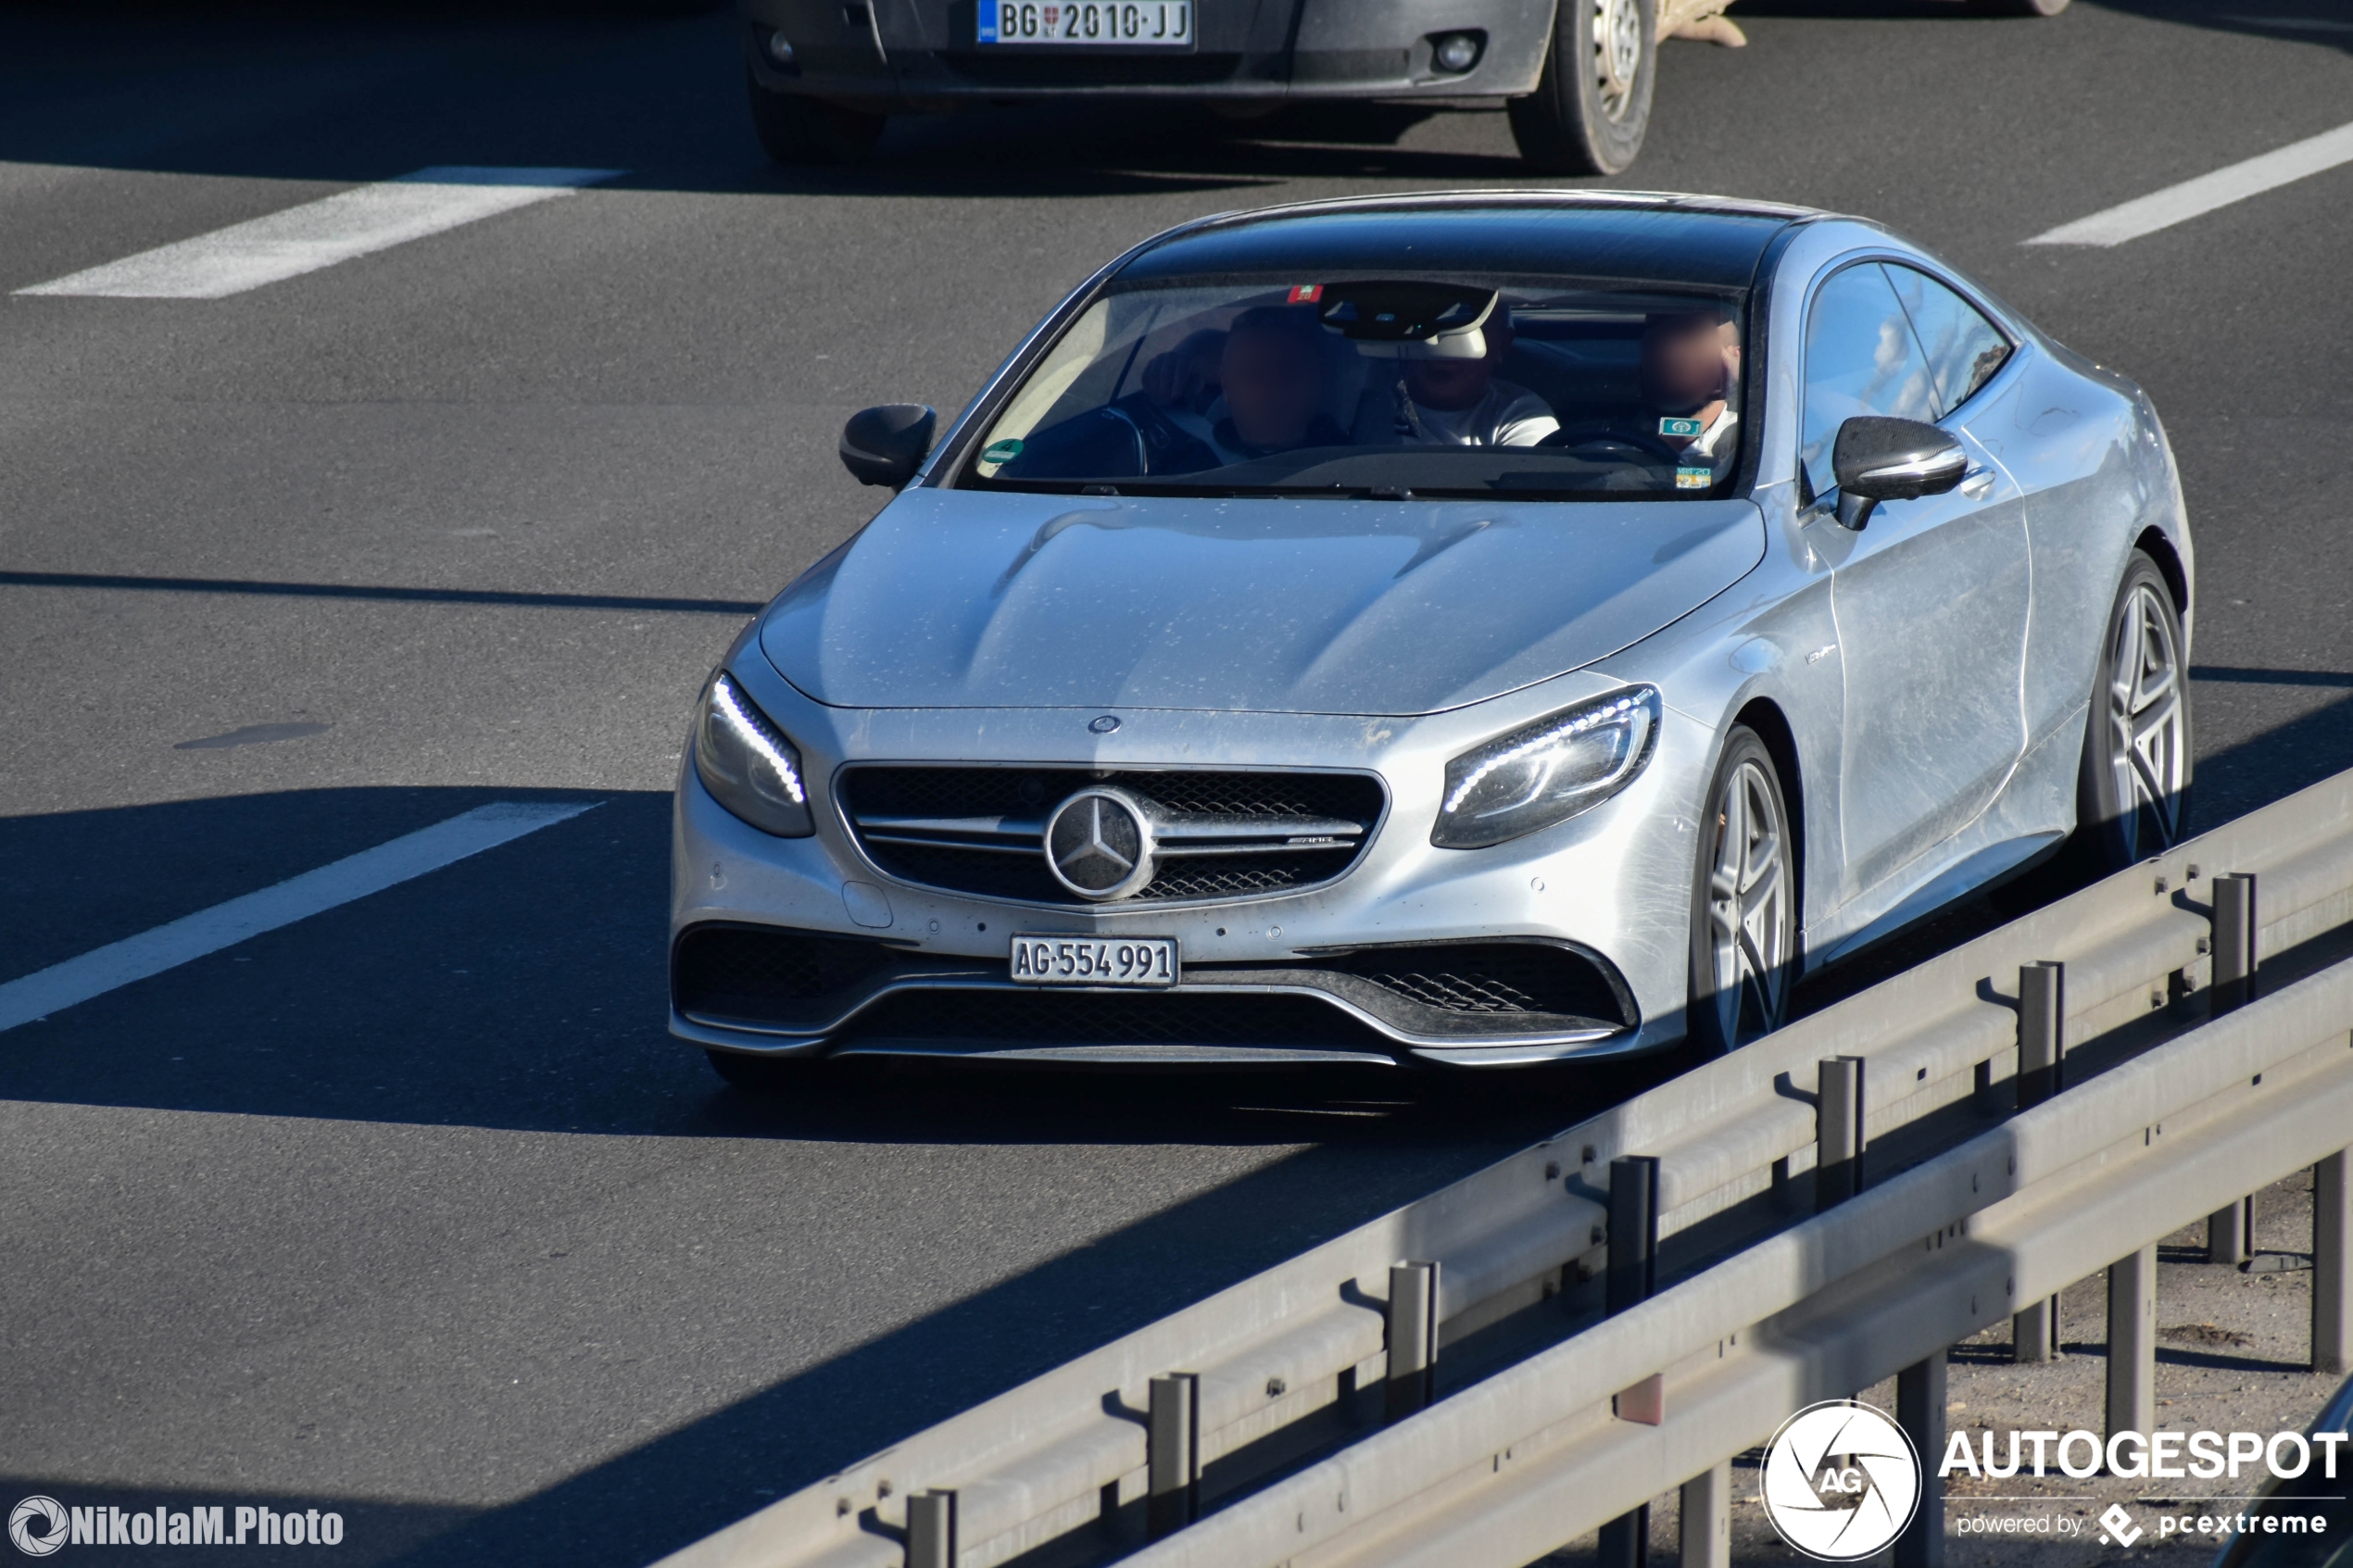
(1142, 963)
(1167, 23)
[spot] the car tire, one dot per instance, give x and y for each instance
(796, 129)
(1591, 121)
(2132, 787)
(765, 1074)
(1744, 901)
(2016, 7)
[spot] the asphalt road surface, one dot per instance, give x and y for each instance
(411, 1209)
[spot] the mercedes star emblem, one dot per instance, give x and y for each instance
(1098, 844)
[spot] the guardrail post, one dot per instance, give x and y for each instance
(2131, 1342)
(1172, 1455)
(2229, 1232)
(1634, 1233)
(2042, 1032)
(1413, 1338)
(1633, 1273)
(1920, 1411)
(1838, 1131)
(1706, 1533)
(2333, 1264)
(931, 1529)
(2234, 944)
(2034, 1331)
(2042, 1073)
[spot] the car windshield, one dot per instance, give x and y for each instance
(1428, 385)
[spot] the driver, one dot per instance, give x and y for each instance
(1274, 377)
(1690, 361)
(1461, 403)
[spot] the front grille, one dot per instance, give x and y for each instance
(1093, 1018)
(769, 975)
(1493, 979)
(1227, 834)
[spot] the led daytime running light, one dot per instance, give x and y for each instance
(754, 726)
(1592, 718)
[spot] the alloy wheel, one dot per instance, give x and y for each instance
(1752, 918)
(2146, 755)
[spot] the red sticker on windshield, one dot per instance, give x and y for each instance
(1305, 293)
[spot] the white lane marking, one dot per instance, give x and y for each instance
(224, 925)
(2193, 198)
(303, 239)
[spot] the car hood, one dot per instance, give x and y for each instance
(955, 598)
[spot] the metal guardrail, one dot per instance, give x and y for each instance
(1515, 1465)
(1242, 1379)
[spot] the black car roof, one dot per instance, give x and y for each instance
(1701, 242)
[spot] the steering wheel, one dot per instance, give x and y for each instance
(1608, 442)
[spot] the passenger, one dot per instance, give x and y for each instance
(1690, 361)
(1274, 379)
(1461, 403)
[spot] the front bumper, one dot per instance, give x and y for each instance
(924, 53)
(1278, 977)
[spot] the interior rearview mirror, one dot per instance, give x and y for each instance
(1882, 460)
(886, 445)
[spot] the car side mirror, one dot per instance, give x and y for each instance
(1882, 460)
(887, 444)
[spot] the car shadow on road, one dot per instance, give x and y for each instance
(2308, 22)
(2322, 22)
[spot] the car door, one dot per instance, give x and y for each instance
(1931, 599)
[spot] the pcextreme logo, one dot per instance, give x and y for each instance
(1840, 1481)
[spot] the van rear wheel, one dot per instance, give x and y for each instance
(1592, 105)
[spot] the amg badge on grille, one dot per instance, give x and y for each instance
(1098, 844)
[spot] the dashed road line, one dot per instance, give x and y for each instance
(2194, 198)
(321, 234)
(224, 925)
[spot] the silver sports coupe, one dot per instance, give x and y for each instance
(1470, 629)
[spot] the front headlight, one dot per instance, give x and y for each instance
(1562, 764)
(748, 764)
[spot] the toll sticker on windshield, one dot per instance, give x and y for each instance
(1682, 427)
(1305, 293)
(1694, 479)
(1003, 451)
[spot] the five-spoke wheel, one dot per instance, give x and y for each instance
(1745, 905)
(2134, 785)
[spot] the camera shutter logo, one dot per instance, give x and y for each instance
(37, 1526)
(1840, 1481)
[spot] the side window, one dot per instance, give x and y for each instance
(1860, 358)
(1964, 348)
